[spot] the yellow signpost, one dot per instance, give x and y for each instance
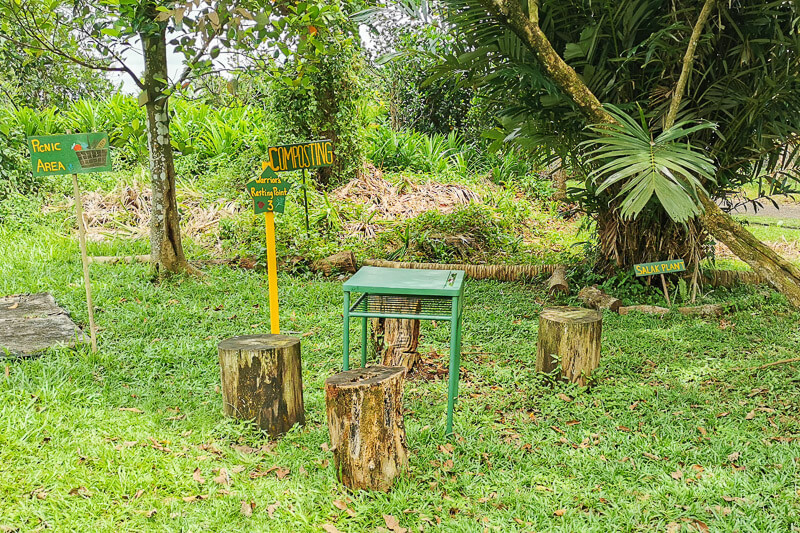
(268, 192)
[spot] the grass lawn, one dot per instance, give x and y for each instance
(673, 436)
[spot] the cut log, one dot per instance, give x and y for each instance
(594, 298)
(498, 272)
(648, 309)
(344, 261)
(569, 341)
(262, 381)
(396, 339)
(558, 281)
(365, 421)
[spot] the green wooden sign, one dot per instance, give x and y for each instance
(268, 192)
(311, 154)
(661, 267)
(76, 153)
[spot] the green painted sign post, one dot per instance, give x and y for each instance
(268, 192)
(77, 153)
(660, 268)
(301, 156)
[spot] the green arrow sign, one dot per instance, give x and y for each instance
(268, 192)
(69, 154)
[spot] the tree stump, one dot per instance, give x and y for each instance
(558, 281)
(262, 381)
(365, 421)
(396, 339)
(569, 338)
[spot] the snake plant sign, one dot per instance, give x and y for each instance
(310, 154)
(268, 192)
(77, 153)
(661, 267)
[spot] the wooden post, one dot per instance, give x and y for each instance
(262, 381)
(272, 273)
(569, 338)
(87, 282)
(365, 421)
(666, 292)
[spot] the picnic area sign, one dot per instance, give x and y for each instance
(77, 153)
(300, 156)
(73, 153)
(660, 267)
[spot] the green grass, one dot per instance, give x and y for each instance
(521, 454)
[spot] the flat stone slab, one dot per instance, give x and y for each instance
(29, 323)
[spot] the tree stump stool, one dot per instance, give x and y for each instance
(569, 338)
(262, 381)
(365, 421)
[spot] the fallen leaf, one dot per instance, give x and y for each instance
(177, 417)
(751, 415)
(138, 494)
(271, 508)
(699, 524)
(722, 415)
(330, 528)
(339, 504)
(223, 478)
(393, 524)
(677, 474)
(81, 491)
(564, 397)
(130, 409)
(197, 477)
(190, 499)
(237, 469)
(623, 428)
(702, 430)
(247, 508)
(281, 472)
(446, 448)
(559, 512)
(13, 306)
(734, 457)
(147, 514)
(651, 456)
(557, 429)
(673, 527)
(244, 449)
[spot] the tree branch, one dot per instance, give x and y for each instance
(510, 14)
(688, 63)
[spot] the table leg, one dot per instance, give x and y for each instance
(364, 341)
(346, 333)
(452, 388)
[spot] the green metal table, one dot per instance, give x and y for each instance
(410, 294)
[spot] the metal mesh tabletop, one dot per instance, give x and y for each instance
(401, 306)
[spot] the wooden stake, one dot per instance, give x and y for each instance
(85, 260)
(666, 292)
(272, 273)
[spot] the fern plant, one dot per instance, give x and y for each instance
(640, 166)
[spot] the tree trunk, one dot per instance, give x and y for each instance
(569, 341)
(396, 340)
(262, 380)
(165, 235)
(782, 275)
(596, 299)
(365, 421)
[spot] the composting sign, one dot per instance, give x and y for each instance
(310, 154)
(77, 153)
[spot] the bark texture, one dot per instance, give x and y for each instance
(648, 309)
(262, 380)
(165, 235)
(498, 272)
(344, 261)
(365, 421)
(569, 341)
(396, 340)
(596, 299)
